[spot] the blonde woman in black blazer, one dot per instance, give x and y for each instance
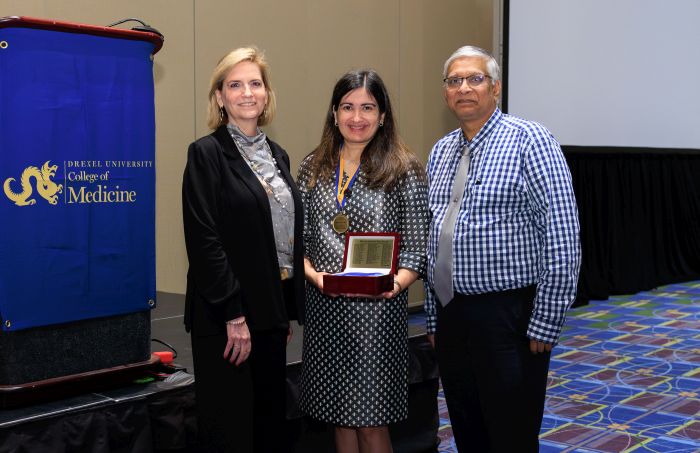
(243, 224)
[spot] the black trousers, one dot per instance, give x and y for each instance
(241, 409)
(494, 386)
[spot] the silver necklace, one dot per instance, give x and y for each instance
(265, 181)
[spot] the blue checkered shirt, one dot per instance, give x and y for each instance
(518, 221)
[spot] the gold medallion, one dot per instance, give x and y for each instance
(340, 223)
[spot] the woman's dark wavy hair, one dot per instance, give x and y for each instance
(386, 158)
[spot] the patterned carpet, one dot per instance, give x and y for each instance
(625, 377)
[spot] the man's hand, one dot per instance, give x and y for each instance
(538, 347)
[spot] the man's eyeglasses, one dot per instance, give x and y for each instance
(474, 80)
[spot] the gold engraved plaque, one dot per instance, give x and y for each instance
(372, 253)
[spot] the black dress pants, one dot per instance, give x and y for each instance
(241, 409)
(494, 386)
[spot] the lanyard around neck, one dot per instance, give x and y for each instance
(340, 187)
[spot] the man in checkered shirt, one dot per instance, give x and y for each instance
(515, 257)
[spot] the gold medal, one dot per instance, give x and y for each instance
(340, 223)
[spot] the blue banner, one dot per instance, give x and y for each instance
(77, 166)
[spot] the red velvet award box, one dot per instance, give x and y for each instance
(369, 265)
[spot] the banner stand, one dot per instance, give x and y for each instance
(77, 237)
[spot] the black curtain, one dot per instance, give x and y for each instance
(639, 210)
(162, 421)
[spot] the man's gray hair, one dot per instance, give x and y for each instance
(494, 71)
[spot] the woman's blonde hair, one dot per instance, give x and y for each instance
(216, 116)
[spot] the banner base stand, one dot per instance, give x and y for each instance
(74, 384)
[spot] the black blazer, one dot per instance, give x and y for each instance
(230, 241)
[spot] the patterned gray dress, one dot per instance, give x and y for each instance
(355, 354)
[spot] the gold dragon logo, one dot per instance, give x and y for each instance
(44, 186)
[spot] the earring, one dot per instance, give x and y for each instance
(221, 115)
(381, 123)
(336, 124)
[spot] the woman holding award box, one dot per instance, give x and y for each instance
(361, 178)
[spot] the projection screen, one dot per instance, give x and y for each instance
(606, 72)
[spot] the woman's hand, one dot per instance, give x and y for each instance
(318, 283)
(389, 294)
(402, 280)
(238, 345)
(315, 278)
(318, 280)
(395, 291)
(384, 295)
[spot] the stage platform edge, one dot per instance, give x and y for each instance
(17, 395)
